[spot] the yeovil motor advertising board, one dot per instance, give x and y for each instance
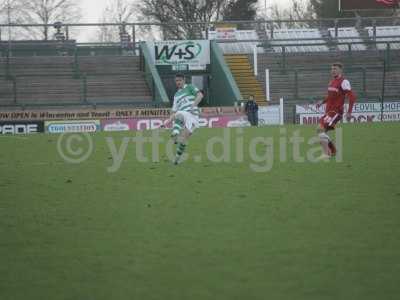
(362, 112)
(72, 126)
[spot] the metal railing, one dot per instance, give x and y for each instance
(388, 55)
(139, 31)
(52, 48)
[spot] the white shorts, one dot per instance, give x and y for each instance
(191, 121)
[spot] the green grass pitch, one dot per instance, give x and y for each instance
(201, 230)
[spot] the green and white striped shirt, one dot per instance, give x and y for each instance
(184, 98)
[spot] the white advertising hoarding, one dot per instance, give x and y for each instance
(226, 33)
(269, 115)
(362, 112)
(194, 53)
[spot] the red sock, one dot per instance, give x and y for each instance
(332, 147)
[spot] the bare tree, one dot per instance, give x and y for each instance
(298, 10)
(48, 12)
(119, 11)
(10, 12)
(3, 6)
(4, 12)
(181, 12)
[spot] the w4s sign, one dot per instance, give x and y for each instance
(192, 53)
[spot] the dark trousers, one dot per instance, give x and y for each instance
(253, 118)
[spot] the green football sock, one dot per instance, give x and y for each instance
(180, 149)
(177, 127)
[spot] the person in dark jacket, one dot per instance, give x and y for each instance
(251, 109)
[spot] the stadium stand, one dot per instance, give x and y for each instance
(294, 36)
(114, 77)
(301, 69)
(351, 35)
(305, 76)
(296, 60)
(384, 34)
(6, 92)
(230, 47)
(59, 80)
(121, 88)
(243, 73)
(48, 90)
(112, 64)
(41, 66)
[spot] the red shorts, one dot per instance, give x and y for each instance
(329, 120)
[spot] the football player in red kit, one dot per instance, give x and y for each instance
(339, 88)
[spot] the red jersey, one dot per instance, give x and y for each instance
(338, 89)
